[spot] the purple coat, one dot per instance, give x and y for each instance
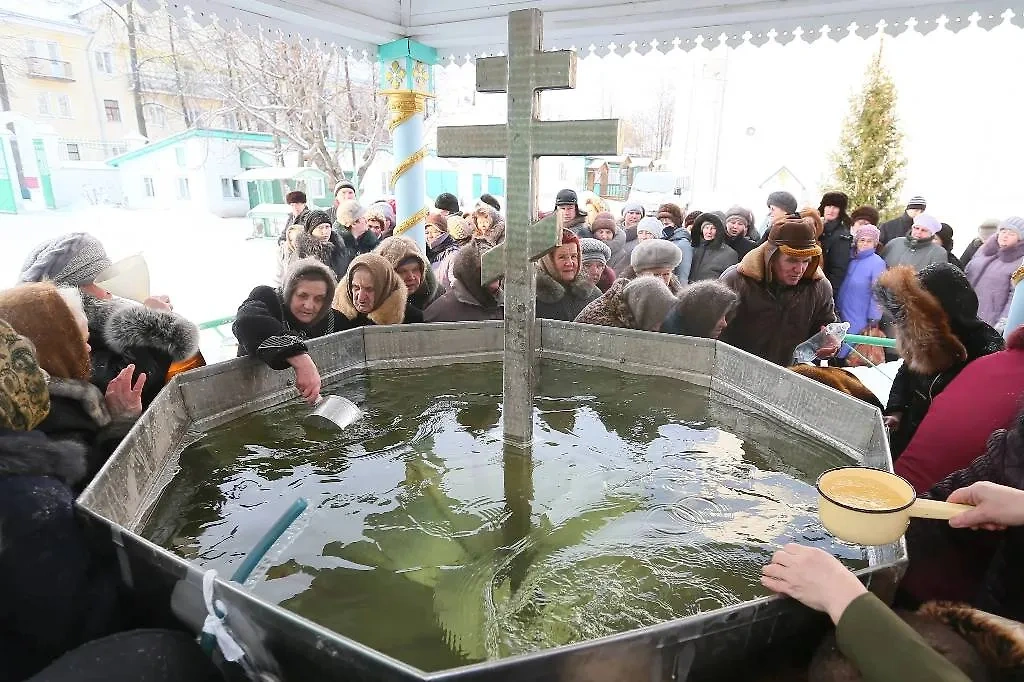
(989, 273)
(857, 305)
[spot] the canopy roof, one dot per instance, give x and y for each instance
(461, 29)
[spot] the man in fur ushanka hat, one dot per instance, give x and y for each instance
(784, 298)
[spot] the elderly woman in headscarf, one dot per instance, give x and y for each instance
(319, 240)
(703, 310)
(563, 288)
(413, 268)
(990, 270)
(55, 591)
(640, 303)
(372, 293)
(488, 225)
(53, 320)
(147, 335)
(937, 333)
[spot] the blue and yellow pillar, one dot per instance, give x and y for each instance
(1016, 316)
(407, 79)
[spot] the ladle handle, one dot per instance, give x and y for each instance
(933, 509)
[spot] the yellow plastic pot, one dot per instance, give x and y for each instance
(873, 507)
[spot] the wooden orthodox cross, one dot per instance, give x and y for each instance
(523, 74)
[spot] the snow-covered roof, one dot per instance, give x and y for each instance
(279, 173)
(461, 29)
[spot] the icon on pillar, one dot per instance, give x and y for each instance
(396, 75)
(420, 77)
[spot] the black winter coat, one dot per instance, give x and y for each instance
(741, 245)
(265, 328)
(836, 251)
(57, 590)
(894, 229)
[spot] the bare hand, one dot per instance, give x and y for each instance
(995, 506)
(830, 348)
(892, 421)
(307, 377)
(813, 577)
(159, 303)
(123, 399)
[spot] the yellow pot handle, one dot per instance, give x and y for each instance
(933, 509)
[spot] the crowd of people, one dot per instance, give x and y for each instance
(78, 366)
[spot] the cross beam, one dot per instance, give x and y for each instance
(526, 71)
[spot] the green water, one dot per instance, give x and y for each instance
(427, 541)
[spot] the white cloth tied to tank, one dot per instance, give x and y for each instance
(214, 625)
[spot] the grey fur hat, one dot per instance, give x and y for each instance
(650, 300)
(309, 268)
(632, 206)
(655, 253)
(70, 260)
(701, 306)
(784, 200)
(594, 250)
(349, 212)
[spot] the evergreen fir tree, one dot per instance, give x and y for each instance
(869, 163)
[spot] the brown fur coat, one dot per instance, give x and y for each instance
(840, 380)
(610, 310)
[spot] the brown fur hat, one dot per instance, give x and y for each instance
(38, 312)
(672, 212)
(924, 338)
(868, 213)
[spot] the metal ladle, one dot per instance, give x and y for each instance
(333, 412)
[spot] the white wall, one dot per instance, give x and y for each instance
(86, 184)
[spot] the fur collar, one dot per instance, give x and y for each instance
(85, 394)
(390, 311)
(31, 453)
(991, 249)
(552, 291)
(998, 641)
(124, 325)
(924, 337)
(755, 264)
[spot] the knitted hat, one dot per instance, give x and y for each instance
(40, 313)
(25, 401)
(650, 300)
(567, 197)
(344, 184)
(868, 213)
(491, 201)
(69, 260)
(655, 254)
(594, 251)
(917, 202)
(446, 201)
(837, 199)
(437, 220)
(296, 197)
(740, 212)
(651, 226)
(459, 228)
(308, 269)
(672, 212)
(632, 206)
(930, 223)
(783, 200)
(700, 307)
(349, 212)
(603, 221)
(1014, 223)
(315, 219)
(381, 210)
(867, 231)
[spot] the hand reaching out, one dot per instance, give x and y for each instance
(813, 577)
(123, 399)
(307, 377)
(995, 506)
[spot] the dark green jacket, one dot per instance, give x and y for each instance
(885, 649)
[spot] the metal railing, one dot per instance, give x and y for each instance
(40, 67)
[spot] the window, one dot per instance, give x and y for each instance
(155, 115)
(230, 189)
(118, 149)
(183, 192)
(230, 120)
(315, 187)
(150, 189)
(104, 61)
(64, 106)
(73, 153)
(113, 110)
(43, 49)
(179, 156)
(43, 103)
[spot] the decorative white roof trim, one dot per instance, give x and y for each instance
(463, 41)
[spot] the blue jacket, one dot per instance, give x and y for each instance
(680, 236)
(857, 304)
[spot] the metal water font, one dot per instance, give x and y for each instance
(526, 71)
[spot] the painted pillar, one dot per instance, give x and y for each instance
(8, 177)
(1016, 316)
(407, 79)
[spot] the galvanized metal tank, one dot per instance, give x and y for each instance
(751, 397)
